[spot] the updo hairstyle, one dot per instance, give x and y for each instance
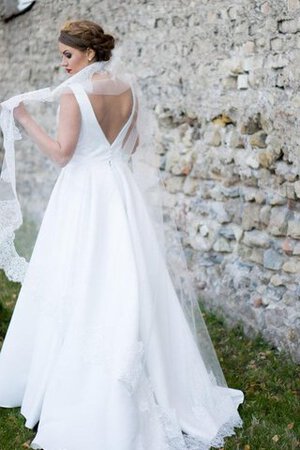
(84, 34)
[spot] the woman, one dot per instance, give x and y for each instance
(105, 350)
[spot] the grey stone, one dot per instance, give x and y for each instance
(213, 137)
(266, 158)
(294, 228)
(234, 139)
(252, 125)
(276, 199)
(256, 238)
(297, 188)
(249, 194)
(265, 214)
(292, 266)
(296, 249)
(172, 157)
(256, 256)
(227, 233)
(276, 44)
(238, 232)
(190, 186)
(293, 4)
(242, 81)
(266, 8)
(233, 12)
(174, 184)
(286, 171)
(278, 221)
(259, 139)
(277, 61)
(219, 212)
(253, 161)
(222, 245)
(275, 142)
(204, 230)
(178, 163)
(278, 280)
(272, 260)
(251, 216)
(229, 82)
(249, 47)
(289, 26)
(233, 192)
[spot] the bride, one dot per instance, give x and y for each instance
(106, 348)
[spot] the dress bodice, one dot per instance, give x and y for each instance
(92, 141)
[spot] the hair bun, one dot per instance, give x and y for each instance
(103, 46)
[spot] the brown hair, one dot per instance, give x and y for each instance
(84, 34)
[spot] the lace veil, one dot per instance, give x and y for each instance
(138, 146)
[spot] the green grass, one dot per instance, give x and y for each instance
(8, 295)
(269, 380)
(13, 434)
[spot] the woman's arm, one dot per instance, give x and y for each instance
(61, 149)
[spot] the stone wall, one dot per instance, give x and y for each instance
(223, 78)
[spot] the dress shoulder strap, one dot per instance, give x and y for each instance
(80, 94)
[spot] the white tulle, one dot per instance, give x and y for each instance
(100, 349)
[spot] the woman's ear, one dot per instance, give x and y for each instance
(90, 54)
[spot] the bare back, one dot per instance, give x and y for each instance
(112, 112)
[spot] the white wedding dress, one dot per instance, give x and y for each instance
(72, 354)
